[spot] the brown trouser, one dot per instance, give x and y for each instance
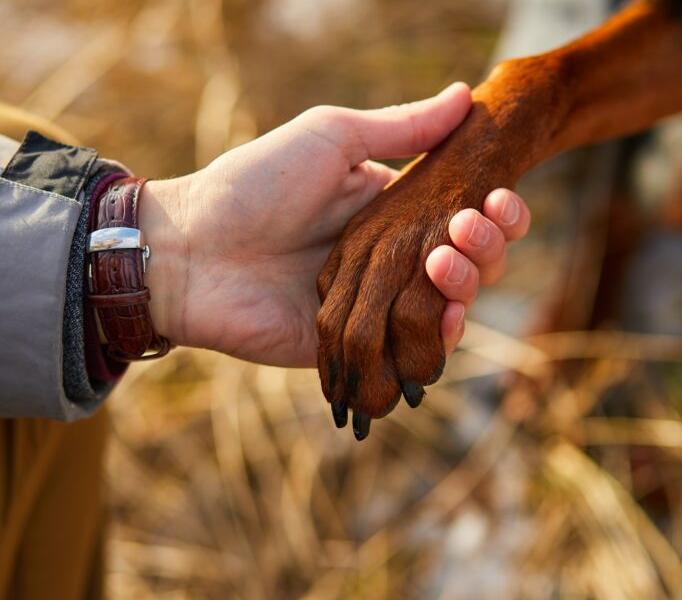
(51, 509)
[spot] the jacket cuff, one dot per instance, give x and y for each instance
(45, 185)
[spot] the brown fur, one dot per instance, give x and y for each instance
(380, 318)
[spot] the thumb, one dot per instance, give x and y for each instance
(408, 129)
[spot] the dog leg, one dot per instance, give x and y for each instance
(379, 324)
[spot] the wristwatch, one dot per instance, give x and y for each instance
(117, 261)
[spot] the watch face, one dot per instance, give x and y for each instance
(116, 238)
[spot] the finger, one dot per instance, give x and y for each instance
(452, 326)
(366, 180)
(358, 188)
(408, 129)
(509, 212)
(355, 191)
(453, 274)
(481, 241)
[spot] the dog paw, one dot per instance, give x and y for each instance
(379, 323)
(380, 315)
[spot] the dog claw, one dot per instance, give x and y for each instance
(340, 414)
(361, 422)
(413, 393)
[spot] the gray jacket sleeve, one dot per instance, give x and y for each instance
(37, 228)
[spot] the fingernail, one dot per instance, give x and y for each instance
(340, 414)
(479, 234)
(361, 423)
(458, 269)
(413, 393)
(510, 210)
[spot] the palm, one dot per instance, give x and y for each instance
(254, 295)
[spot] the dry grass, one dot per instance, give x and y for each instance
(243, 462)
(227, 479)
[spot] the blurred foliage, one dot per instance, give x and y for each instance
(539, 467)
(143, 76)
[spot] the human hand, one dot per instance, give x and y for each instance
(237, 246)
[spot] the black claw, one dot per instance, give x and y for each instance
(413, 393)
(340, 414)
(361, 423)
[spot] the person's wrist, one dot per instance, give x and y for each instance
(160, 205)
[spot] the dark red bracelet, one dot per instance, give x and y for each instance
(100, 366)
(118, 257)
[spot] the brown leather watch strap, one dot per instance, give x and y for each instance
(117, 291)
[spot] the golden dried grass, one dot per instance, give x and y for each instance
(228, 480)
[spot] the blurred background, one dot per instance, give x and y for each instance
(545, 463)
